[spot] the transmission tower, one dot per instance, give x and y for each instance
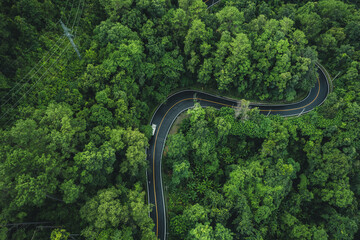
(70, 37)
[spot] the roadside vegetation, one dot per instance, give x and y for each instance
(73, 131)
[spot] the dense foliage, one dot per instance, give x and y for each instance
(73, 131)
(264, 178)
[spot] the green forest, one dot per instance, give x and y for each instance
(74, 130)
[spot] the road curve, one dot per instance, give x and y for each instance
(166, 114)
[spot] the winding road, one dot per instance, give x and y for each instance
(179, 102)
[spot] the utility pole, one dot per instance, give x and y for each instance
(301, 112)
(195, 98)
(70, 37)
(211, 3)
(335, 76)
(269, 113)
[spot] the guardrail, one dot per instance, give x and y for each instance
(329, 89)
(327, 75)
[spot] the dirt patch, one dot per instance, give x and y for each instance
(175, 127)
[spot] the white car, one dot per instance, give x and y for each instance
(154, 129)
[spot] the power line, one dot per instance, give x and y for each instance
(2, 105)
(19, 82)
(75, 23)
(65, 8)
(40, 79)
(46, 34)
(72, 4)
(77, 11)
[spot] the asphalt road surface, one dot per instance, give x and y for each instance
(179, 102)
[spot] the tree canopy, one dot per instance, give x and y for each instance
(73, 131)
